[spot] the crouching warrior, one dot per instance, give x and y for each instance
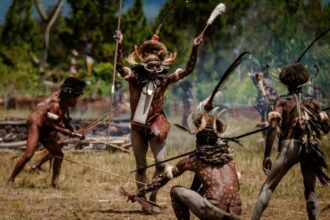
(213, 164)
(148, 80)
(47, 119)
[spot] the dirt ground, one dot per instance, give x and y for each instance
(85, 193)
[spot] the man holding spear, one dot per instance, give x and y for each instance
(148, 80)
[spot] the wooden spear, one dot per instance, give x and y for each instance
(114, 68)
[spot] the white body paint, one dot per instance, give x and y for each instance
(142, 109)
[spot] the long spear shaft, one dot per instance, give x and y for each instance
(116, 53)
(114, 68)
(194, 151)
(84, 129)
(104, 171)
(172, 158)
(246, 134)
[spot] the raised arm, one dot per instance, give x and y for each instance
(181, 73)
(124, 72)
(274, 119)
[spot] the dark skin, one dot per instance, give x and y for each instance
(153, 68)
(135, 90)
(301, 125)
(220, 183)
(285, 107)
(43, 129)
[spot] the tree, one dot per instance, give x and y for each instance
(275, 32)
(19, 25)
(135, 26)
(48, 21)
(95, 21)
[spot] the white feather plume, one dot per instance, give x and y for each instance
(219, 9)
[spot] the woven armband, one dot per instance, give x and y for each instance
(168, 171)
(323, 116)
(176, 73)
(52, 116)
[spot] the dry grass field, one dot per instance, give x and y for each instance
(89, 194)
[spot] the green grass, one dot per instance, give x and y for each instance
(81, 188)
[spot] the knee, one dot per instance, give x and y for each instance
(265, 194)
(59, 153)
(175, 190)
(27, 156)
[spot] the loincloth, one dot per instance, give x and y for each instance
(219, 210)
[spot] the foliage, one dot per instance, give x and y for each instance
(135, 26)
(93, 21)
(21, 77)
(276, 32)
(19, 27)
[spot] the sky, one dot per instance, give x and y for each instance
(151, 7)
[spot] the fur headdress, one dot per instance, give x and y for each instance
(294, 75)
(154, 47)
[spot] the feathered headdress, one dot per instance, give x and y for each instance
(218, 10)
(155, 45)
(205, 113)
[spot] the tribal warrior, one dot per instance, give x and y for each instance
(215, 190)
(148, 80)
(301, 123)
(266, 94)
(47, 119)
(213, 164)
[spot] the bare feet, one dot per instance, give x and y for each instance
(54, 185)
(9, 184)
(36, 169)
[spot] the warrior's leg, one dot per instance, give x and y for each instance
(44, 158)
(159, 151)
(184, 199)
(309, 177)
(286, 159)
(56, 151)
(140, 148)
(31, 146)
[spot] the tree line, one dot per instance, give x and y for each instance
(276, 32)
